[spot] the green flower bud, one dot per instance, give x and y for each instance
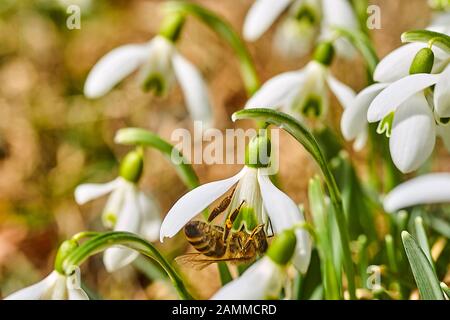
(63, 251)
(282, 248)
(172, 25)
(423, 62)
(257, 154)
(324, 53)
(132, 166)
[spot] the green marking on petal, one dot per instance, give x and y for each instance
(312, 107)
(385, 125)
(109, 219)
(246, 218)
(155, 82)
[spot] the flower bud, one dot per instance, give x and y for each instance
(423, 61)
(282, 248)
(257, 154)
(63, 251)
(324, 53)
(132, 166)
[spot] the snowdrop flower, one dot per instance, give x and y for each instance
(427, 189)
(307, 21)
(411, 112)
(266, 277)
(55, 286)
(261, 202)
(395, 66)
(127, 209)
(160, 65)
(304, 93)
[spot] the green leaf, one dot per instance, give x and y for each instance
(305, 137)
(363, 44)
(226, 32)
(141, 137)
(224, 272)
(319, 212)
(439, 40)
(426, 280)
(422, 238)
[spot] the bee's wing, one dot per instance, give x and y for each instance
(200, 261)
(196, 260)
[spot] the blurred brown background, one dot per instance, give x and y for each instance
(52, 138)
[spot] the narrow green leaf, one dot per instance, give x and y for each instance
(141, 137)
(224, 272)
(422, 239)
(439, 40)
(319, 213)
(226, 32)
(426, 280)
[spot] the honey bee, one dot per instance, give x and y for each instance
(216, 243)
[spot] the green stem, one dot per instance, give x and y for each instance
(103, 241)
(439, 40)
(226, 32)
(302, 135)
(137, 136)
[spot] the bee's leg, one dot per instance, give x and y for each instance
(221, 207)
(250, 238)
(230, 220)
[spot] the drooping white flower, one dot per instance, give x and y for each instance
(417, 112)
(261, 197)
(127, 209)
(391, 68)
(160, 65)
(263, 280)
(427, 189)
(302, 93)
(54, 287)
(307, 21)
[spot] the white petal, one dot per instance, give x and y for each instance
(114, 67)
(91, 191)
(151, 217)
(194, 90)
(274, 93)
(339, 13)
(426, 189)
(129, 220)
(193, 202)
(264, 279)
(354, 118)
(343, 93)
(442, 94)
(397, 93)
(35, 291)
(77, 294)
(413, 134)
(397, 63)
(360, 141)
(284, 214)
(261, 16)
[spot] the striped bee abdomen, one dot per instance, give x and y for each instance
(205, 238)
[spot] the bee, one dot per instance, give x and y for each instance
(215, 243)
